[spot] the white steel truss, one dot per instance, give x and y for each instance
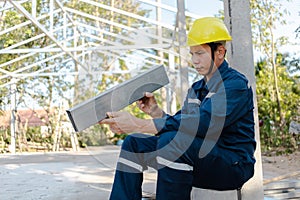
(84, 38)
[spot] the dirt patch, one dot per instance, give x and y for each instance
(281, 166)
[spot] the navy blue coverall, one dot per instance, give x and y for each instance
(209, 143)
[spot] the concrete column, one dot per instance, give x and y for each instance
(240, 56)
(184, 84)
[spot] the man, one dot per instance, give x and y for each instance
(209, 143)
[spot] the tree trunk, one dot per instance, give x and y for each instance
(274, 67)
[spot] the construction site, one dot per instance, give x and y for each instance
(56, 55)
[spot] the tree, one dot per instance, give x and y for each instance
(48, 92)
(9, 20)
(271, 136)
(99, 63)
(276, 91)
(266, 41)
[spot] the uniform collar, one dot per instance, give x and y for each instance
(219, 72)
(223, 67)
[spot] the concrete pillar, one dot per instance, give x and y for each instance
(240, 56)
(183, 52)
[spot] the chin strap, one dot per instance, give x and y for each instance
(213, 47)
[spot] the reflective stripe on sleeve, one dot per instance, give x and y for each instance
(174, 165)
(210, 94)
(196, 101)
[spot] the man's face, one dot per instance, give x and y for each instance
(201, 58)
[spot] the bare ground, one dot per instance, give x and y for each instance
(281, 165)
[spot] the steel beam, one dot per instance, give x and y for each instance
(93, 110)
(67, 50)
(49, 34)
(129, 14)
(89, 16)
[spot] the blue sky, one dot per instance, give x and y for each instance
(211, 7)
(204, 7)
(201, 7)
(293, 20)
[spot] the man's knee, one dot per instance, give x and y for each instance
(130, 141)
(139, 142)
(166, 138)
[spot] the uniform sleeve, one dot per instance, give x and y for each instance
(218, 110)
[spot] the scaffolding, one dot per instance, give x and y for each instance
(84, 44)
(75, 41)
(75, 47)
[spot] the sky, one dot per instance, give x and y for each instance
(293, 20)
(211, 7)
(204, 7)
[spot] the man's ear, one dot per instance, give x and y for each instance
(221, 51)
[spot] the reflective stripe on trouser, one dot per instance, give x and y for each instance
(174, 177)
(134, 166)
(174, 180)
(173, 165)
(175, 168)
(132, 161)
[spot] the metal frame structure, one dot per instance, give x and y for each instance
(73, 43)
(77, 46)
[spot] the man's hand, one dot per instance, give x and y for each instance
(120, 122)
(149, 105)
(124, 122)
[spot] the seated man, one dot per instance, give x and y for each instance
(209, 143)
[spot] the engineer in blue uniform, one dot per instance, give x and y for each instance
(209, 143)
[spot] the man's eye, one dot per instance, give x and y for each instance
(197, 53)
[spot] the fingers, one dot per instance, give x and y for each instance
(140, 104)
(110, 115)
(115, 129)
(145, 99)
(112, 126)
(148, 94)
(110, 118)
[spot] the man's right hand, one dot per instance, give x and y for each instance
(148, 104)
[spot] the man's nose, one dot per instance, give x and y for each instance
(195, 60)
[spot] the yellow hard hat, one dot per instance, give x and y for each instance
(206, 30)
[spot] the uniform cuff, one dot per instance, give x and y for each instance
(160, 124)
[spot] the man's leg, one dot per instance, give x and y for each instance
(135, 156)
(175, 167)
(174, 184)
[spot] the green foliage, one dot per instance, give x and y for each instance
(274, 136)
(105, 62)
(93, 136)
(277, 86)
(34, 135)
(263, 27)
(48, 92)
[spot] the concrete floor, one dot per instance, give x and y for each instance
(87, 175)
(64, 175)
